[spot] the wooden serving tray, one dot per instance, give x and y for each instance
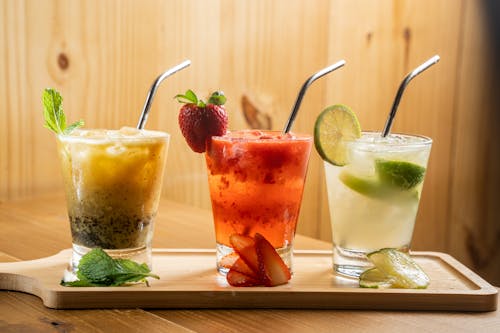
(189, 280)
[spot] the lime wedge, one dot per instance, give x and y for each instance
(374, 278)
(398, 265)
(376, 189)
(366, 186)
(400, 174)
(335, 125)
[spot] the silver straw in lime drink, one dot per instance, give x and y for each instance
(402, 87)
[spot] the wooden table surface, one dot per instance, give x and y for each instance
(38, 227)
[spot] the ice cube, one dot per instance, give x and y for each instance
(116, 149)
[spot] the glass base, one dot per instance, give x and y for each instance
(352, 263)
(139, 254)
(222, 251)
(348, 262)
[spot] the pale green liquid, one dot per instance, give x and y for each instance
(363, 223)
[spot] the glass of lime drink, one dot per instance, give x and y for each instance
(374, 199)
(374, 184)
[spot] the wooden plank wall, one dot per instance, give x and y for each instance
(104, 55)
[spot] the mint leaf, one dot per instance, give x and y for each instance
(53, 113)
(130, 271)
(52, 110)
(74, 126)
(98, 269)
(81, 283)
(126, 266)
(96, 266)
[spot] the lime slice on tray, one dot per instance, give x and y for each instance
(335, 125)
(374, 278)
(397, 265)
(400, 174)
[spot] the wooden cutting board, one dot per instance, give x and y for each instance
(189, 280)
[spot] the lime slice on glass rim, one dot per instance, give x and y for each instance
(335, 126)
(397, 266)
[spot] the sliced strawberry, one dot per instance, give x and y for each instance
(238, 279)
(239, 241)
(245, 247)
(272, 268)
(241, 267)
(228, 260)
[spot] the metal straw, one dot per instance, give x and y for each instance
(408, 78)
(154, 87)
(302, 92)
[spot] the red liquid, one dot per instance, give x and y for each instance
(256, 181)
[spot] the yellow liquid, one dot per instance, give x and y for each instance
(113, 182)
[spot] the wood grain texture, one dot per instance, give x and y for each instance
(254, 321)
(29, 315)
(20, 312)
(474, 224)
(103, 57)
(188, 279)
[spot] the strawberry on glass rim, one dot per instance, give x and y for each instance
(199, 121)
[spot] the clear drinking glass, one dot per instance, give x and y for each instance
(256, 181)
(113, 182)
(374, 199)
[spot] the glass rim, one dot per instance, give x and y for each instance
(155, 135)
(425, 140)
(291, 136)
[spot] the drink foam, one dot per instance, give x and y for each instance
(124, 133)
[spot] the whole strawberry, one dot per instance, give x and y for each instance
(199, 121)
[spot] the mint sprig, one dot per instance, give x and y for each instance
(53, 113)
(98, 269)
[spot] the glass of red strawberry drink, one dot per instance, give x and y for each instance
(256, 181)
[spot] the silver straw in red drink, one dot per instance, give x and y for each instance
(302, 92)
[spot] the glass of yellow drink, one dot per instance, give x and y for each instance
(113, 181)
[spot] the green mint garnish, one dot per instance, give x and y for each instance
(53, 113)
(216, 98)
(98, 269)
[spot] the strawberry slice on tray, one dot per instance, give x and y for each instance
(272, 269)
(245, 248)
(258, 263)
(237, 279)
(241, 267)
